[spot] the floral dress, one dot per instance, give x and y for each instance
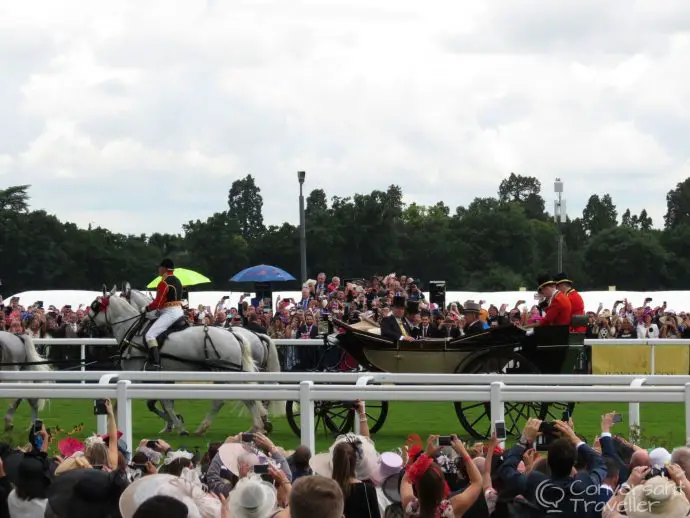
(444, 509)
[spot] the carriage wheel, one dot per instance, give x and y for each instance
(337, 417)
(475, 417)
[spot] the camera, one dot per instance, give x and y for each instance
(247, 437)
(657, 472)
(99, 407)
(444, 440)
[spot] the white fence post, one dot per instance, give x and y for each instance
(687, 413)
(363, 381)
(124, 412)
(652, 360)
(82, 355)
(497, 406)
(102, 420)
(306, 409)
(634, 411)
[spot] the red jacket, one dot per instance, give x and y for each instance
(558, 312)
(168, 292)
(577, 307)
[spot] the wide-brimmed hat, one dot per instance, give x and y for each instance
(399, 302)
(78, 461)
(658, 497)
(86, 493)
(471, 306)
(252, 498)
(562, 277)
(34, 470)
(232, 454)
(199, 503)
(370, 465)
(543, 281)
(668, 319)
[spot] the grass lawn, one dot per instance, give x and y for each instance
(662, 424)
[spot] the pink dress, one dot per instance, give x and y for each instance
(444, 509)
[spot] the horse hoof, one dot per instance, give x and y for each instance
(184, 433)
(179, 416)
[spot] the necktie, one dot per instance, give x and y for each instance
(424, 331)
(402, 328)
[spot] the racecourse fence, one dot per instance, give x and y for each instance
(493, 388)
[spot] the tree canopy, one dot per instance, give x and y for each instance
(495, 243)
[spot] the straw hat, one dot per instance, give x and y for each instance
(656, 497)
(252, 498)
(370, 465)
(199, 504)
(233, 454)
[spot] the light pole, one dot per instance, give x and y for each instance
(302, 227)
(559, 216)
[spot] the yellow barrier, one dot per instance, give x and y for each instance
(624, 359)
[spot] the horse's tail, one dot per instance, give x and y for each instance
(277, 408)
(35, 362)
(248, 363)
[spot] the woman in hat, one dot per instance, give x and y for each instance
(29, 497)
(360, 497)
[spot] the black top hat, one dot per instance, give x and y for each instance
(399, 301)
(412, 307)
(562, 278)
(167, 264)
(86, 493)
(543, 281)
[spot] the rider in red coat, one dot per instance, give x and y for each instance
(558, 310)
(577, 305)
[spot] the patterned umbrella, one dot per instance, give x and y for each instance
(262, 273)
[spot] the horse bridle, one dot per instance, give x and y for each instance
(99, 305)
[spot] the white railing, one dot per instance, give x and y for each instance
(652, 343)
(307, 392)
(347, 387)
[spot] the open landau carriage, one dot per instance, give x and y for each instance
(501, 350)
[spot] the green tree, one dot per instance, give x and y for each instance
(678, 205)
(599, 214)
(525, 190)
(245, 205)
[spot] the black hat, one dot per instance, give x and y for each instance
(167, 264)
(412, 307)
(562, 278)
(86, 493)
(399, 301)
(543, 281)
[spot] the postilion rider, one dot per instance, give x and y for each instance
(577, 305)
(168, 304)
(558, 308)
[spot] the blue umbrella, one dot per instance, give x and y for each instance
(262, 273)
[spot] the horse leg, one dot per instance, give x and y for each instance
(9, 416)
(151, 405)
(177, 422)
(254, 408)
(33, 403)
(208, 420)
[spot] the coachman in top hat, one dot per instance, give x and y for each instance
(168, 303)
(577, 305)
(558, 306)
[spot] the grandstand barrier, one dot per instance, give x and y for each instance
(652, 343)
(498, 389)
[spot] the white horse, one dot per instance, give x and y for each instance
(195, 348)
(20, 352)
(264, 354)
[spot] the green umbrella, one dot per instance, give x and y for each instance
(187, 278)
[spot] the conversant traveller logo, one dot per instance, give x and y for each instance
(549, 496)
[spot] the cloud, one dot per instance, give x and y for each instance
(138, 116)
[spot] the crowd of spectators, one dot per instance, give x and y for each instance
(321, 299)
(550, 470)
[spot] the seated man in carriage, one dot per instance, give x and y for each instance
(396, 326)
(473, 324)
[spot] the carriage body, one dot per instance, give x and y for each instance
(501, 350)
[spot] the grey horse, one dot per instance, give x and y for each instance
(20, 351)
(195, 348)
(264, 354)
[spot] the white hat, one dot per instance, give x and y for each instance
(232, 454)
(658, 497)
(199, 504)
(252, 498)
(659, 457)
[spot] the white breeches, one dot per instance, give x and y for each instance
(168, 316)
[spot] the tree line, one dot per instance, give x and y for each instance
(493, 244)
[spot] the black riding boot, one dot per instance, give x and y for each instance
(155, 358)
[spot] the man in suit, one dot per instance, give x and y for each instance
(558, 308)
(411, 316)
(561, 493)
(426, 328)
(577, 305)
(473, 324)
(395, 326)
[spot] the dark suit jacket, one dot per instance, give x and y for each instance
(391, 330)
(569, 496)
(431, 332)
(608, 451)
(475, 328)
(304, 331)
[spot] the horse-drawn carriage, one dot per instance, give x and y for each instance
(501, 350)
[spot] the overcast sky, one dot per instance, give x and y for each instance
(138, 115)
